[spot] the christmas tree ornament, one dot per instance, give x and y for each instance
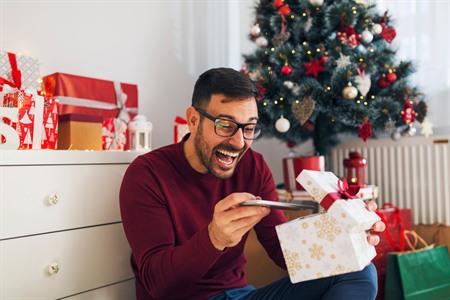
(388, 33)
(289, 84)
(280, 38)
(255, 30)
(316, 2)
(365, 130)
(304, 109)
(377, 28)
(282, 124)
(363, 82)
(286, 70)
(343, 61)
(296, 89)
(396, 135)
(409, 130)
(366, 37)
(391, 76)
(347, 36)
(427, 128)
(261, 91)
(314, 67)
(408, 113)
(261, 42)
(308, 24)
(282, 7)
(355, 169)
(349, 92)
(383, 82)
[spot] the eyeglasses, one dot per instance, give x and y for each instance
(227, 128)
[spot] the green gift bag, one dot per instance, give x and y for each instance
(422, 274)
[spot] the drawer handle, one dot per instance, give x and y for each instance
(53, 199)
(53, 268)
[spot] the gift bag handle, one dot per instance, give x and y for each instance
(417, 238)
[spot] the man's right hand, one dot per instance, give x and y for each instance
(231, 221)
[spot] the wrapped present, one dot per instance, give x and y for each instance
(37, 120)
(292, 166)
(180, 129)
(95, 97)
(19, 71)
(330, 243)
(80, 132)
(397, 221)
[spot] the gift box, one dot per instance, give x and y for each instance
(114, 134)
(19, 71)
(292, 166)
(107, 99)
(330, 243)
(37, 120)
(80, 132)
(180, 129)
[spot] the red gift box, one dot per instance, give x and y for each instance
(397, 220)
(292, 166)
(91, 96)
(37, 122)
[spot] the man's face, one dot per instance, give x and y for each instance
(220, 155)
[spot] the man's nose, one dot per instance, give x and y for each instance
(237, 140)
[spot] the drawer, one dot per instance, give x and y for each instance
(119, 291)
(86, 195)
(82, 260)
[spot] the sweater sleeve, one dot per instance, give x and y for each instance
(265, 230)
(160, 265)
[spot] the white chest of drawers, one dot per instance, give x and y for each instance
(60, 228)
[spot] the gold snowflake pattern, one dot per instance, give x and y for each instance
(292, 262)
(305, 225)
(316, 252)
(327, 228)
(340, 269)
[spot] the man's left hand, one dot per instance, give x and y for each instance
(379, 226)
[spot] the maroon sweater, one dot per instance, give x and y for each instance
(166, 207)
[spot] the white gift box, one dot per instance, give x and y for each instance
(331, 243)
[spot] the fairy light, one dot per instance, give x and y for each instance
(357, 101)
(309, 52)
(304, 14)
(297, 101)
(292, 17)
(265, 103)
(293, 51)
(365, 103)
(275, 102)
(361, 97)
(272, 49)
(318, 49)
(372, 97)
(281, 98)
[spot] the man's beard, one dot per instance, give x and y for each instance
(202, 150)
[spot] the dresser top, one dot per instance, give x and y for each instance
(65, 157)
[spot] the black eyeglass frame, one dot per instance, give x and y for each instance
(256, 131)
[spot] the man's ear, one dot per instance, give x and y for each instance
(193, 118)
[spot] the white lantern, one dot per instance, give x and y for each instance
(140, 133)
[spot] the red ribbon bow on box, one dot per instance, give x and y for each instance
(16, 75)
(395, 220)
(344, 192)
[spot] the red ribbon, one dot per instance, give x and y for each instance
(178, 121)
(282, 7)
(16, 75)
(344, 192)
(395, 220)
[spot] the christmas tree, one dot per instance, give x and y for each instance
(327, 67)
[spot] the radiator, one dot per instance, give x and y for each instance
(413, 172)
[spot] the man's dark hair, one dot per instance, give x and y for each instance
(226, 81)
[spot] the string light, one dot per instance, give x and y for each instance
(272, 49)
(318, 49)
(275, 102)
(281, 98)
(304, 14)
(372, 97)
(265, 103)
(309, 52)
(293, 51)
(365, 103)
(357, 101)
(292, 17)
(297, 101)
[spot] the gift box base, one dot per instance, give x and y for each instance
(80, 134)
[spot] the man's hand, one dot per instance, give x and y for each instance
(231, 221)
(379, 226)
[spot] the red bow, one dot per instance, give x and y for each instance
(16, 75)
(282, 7)
(180, 120)
(394, 221)
(344, 192)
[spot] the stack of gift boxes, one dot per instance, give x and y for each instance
(62, 111)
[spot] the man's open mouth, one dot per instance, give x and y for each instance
(226, 158)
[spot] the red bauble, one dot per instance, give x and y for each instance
(383, 83)
(391, 77)
(286, 70)
(261, 91)
(324, 59)
(314, 67)
(365, 130)
(388, 33)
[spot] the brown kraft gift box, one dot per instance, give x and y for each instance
(80, 132)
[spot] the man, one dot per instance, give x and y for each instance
(181, 213)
